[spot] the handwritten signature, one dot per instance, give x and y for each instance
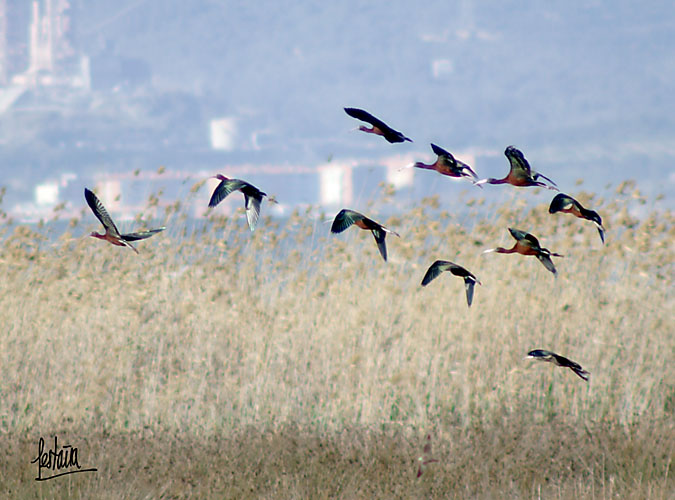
(57, 460)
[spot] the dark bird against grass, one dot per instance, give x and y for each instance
(559, 360)
(443, 265)
(568, 205)
(446, 164)
(346, 218)
(252, 196)
(520, 174)
(378, 126)
(426, 458)
(527, 244)
(112, 234)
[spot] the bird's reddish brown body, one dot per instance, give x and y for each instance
(372, 130)
(524, 249)
(111, 239)
(517, 180)
(573, 210)
(362, 224)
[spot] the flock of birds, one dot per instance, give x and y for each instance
(520, 175)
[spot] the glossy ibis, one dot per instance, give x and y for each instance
(443, 265)
(567, 204)
(252, 196)
(447, 164)
(346, 218)
(559, 360)
(520, 174)
(112, 234)
(378, 126)
(527, 244)
(426, 457)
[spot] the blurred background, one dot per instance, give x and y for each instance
(104, 93)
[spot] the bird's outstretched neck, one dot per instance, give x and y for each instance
(500, 250)
(425, 166)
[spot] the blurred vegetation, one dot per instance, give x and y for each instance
(289, 362)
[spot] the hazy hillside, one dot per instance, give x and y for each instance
(585, 91)
(529, 72)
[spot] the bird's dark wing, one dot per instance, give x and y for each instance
(379, 235)
(100, 212)
(560, 202)
(459, 271)
(521, 235)
(435, 270)
(224, 189)
(442, 152)
(344, 219)
(581, 372)
(601, 230)
(252, 203)
(595, 218)
(540, 354)
(545, 259)
(141, 235)
(568, 363)
(469, 284)
(463, 166)
(519, 165)
(526, 238)
(537, 175)
(363, 115)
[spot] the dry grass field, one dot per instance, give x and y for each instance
(291, 363)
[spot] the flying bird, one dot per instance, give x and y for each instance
(567, 204)
(346, 218)
(559, 360)
(252, 196)
(527, 244)
(378, 126)
(426, 458)
(443, 265)
(112, 234)
(447, 164)
(520, 174)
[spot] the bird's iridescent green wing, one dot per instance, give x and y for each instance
(344, 219)
(519, 235)
(434, 271)
(520, 167)
(560, 202)
(525, 238)
(141, 235)
(224, 189)
(545, 259)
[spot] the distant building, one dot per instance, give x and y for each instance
(36, 46)
(47, 194)
(223, 133)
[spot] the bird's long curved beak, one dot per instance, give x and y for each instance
(480, 183)
(407, 166)
(488, 251)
